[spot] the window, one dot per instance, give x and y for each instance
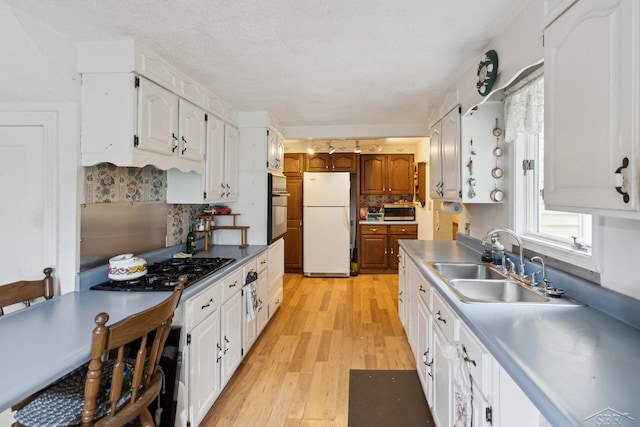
(563, 235)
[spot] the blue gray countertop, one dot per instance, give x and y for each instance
(573, 362)
(365, 222)
(48, 340)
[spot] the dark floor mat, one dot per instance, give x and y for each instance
(387, 398)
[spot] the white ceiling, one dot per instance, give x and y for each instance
(308, 62)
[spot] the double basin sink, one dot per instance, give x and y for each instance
(479, 283)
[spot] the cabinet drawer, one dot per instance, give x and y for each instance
(444, 317)
(262, 262)
(202, 305)
(231, 284)
(247, 268)
(275, 302)
(403, 229)
(477, 358)
(373, 229)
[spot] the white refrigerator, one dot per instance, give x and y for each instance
(327, 226)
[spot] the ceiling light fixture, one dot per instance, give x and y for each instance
(332, 149)
(357, 149)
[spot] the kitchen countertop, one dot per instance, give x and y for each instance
(51, 338)
(573, 362)
(365, 222)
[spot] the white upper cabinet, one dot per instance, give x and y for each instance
(130, 121)
(192, 131)
(219, 183)
(158, 119)
(275, 148)
(591, 108)
(444, 158)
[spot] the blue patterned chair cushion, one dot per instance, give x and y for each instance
(61, 404)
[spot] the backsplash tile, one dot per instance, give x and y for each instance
(108, 183)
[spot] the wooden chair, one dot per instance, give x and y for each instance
(26, 290)
(121, 378)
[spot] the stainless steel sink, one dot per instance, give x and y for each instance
(494, 291)
(454, 270)
(479, 283)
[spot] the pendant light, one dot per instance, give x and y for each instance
(332, 149)
(357, 149)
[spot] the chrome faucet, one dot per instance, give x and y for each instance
(544, 282)
(515, 236)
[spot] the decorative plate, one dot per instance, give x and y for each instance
(487, 72)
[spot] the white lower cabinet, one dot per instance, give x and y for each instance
(215, 339)
(450, 359)
(202, 321)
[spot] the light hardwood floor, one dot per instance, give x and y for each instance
(297, 373)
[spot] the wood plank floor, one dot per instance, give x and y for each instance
(297, 373)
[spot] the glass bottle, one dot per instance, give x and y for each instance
(191, 242)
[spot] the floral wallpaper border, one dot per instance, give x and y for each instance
(108, 183)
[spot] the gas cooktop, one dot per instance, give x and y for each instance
(163, 276)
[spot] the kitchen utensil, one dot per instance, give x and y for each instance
(126, 267)
(497, 131)
(497, 172)
(497, 195)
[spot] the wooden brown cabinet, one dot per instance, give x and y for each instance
(293, 164)
(386, 174)
(293, 237)
(379, 246)
(336, 162)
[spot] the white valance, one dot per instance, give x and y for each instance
(524, 106)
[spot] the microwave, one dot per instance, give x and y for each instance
(399, 212)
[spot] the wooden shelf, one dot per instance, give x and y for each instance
(208, 234)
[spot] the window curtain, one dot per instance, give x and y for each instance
(524, 106)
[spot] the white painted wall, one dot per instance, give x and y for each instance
(37, 75)
(424, 214)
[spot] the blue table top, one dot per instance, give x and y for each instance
(49, 339)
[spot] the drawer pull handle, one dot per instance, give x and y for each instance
(466, 357)
(207, 304)
(439, 317)
(421, 289)
(234, 284)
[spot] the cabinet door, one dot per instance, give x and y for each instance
(293, 164)
(204, 367)
(442, 380)
(318, 162)
(231, 159)
(193, 131)
(450, 146)
(373, 251)
(344, 162)
(435, 162)
(424, 362)
(215, 160)
(293, 237)
(592, 38)
(275, 147)
(157, 119)
(262, 311)
(400, 174)
(231, 336)
(249, 327)
(373, 170)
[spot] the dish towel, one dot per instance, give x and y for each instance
(461, 386)
(251, 295)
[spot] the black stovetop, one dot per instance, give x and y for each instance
(163, 276)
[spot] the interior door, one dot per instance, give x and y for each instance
(24, 224)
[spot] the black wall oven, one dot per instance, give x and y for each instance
(277, 207)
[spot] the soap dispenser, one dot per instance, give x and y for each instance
(497, 251)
